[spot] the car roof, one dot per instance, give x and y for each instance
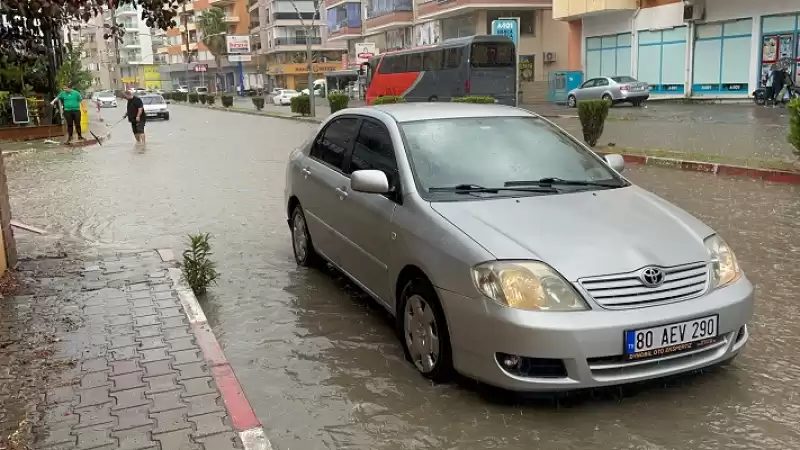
(408, 112)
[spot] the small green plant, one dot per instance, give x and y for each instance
(210, 99)
(593, 114)
(227, 100)
(198, 270)
(301, 105)
(794, 125)
(386, 99)
(203, 98)
(193, 97)
(258, 102)
(338, 101)
(474, 99)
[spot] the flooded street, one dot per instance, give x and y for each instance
(320, 362)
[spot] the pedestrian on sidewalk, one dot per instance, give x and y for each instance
(136, 116)
(786, 83)
(777, 85)
(71, 105)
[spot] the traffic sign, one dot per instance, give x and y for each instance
(365, 51)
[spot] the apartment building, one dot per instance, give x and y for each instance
(95, 57)
(398, 24)
(710, 49)
(281, 30)
(138, 59)
(173, 49)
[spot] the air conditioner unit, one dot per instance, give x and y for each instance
(694, 10)
(550, 57)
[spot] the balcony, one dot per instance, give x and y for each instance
(277, 42)
(162, 50)
(126, 10)
(188, 7)
(383, 15)
(191, 26)
(294, 16)
(344, 29)
(134, 43)
(221, 2)
(231, 19)
(334, 3)
(575, 9)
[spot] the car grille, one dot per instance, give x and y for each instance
(627, 290)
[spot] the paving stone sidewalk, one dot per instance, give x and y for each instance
(97, 353)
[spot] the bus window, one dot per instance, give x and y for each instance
(432, 60)
(393, 64)
(492, 54)
(453, 57)
(415, 62)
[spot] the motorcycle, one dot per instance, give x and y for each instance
(760, 95)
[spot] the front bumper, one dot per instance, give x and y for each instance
(590, 343)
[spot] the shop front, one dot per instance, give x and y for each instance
(295, 76)
(780, 43)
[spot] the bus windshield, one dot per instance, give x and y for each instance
(492, 54)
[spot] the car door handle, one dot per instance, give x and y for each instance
(306, 171)
(342, 193)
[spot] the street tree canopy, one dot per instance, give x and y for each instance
(25, 24)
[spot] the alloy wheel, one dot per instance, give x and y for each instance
(300, 237)
(421, 334)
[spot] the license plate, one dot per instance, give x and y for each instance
(673, 338)
(151, 114)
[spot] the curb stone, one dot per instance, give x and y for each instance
(243, 417)
(773, 175)
(256, 113)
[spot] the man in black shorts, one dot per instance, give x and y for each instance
(136, 116)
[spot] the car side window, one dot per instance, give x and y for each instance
(374, 151)
(601, 82)
(588, 84)
(335, 140)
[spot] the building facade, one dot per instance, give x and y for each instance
(281, 31)
(138, 58)
(398, 24)
(95, 57)
(710, 49)
(173, 48)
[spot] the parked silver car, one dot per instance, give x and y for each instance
(510, 252)
(620, 89)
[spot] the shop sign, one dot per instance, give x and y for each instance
(290, 69)
(238, 44)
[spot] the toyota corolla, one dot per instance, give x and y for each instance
(510, 252)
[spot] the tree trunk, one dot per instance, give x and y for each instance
(219, 71)
(310, 65)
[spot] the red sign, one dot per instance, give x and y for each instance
(201, 68)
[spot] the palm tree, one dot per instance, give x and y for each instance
(213, 28)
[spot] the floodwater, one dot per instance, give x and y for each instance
(320, 363)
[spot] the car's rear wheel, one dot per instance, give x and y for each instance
(303, 247)
(572, 101)
(424, 334)
(608, 98)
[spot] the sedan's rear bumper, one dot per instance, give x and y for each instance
(584, 349)
(631, 96)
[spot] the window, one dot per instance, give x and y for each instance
(527, 20)
(432, 60)
(453, 57)
(624, 79)
(393, 64)
(601, 82)
(588, 84)
(492, 55)
(374, 151)
(331, 146)
(608, 55)
(414, 62)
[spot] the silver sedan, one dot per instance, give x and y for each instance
(619, 89)
(511, 253)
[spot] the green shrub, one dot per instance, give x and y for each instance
(167, 95)
(199, 272)
(794, 125)
(210, 99)
(193, 97)
(258, 102)
(388, 99)
(592, 114)
(301, 105)
(203, 98)
(227, 100)
(338, 101)
(180, 96)
(475, 99)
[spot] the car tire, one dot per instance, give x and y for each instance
(420, 318)
(572, 102)
(433, 98)
(302, 245)
(166, 116)
(608, 98)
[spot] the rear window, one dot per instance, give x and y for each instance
(624, 79)
(492, 54)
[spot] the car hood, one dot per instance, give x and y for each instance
(107, 99)
(153, 107)
(583, 234)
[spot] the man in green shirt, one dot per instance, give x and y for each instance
(71, 104)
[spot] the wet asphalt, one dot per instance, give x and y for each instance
(320, 362)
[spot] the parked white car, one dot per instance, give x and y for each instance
(285, 97)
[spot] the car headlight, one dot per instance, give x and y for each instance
(530, 285)
(724, 267)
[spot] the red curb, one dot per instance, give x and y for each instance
(772, 175)
(242, 415)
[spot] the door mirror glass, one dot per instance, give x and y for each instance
(616, 162)
(369, 181)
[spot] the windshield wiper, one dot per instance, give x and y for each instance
(470, 188)
(552, 181)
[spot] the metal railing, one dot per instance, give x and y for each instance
(297, 41)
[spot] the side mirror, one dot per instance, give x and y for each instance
(616, 162)
(369, 181)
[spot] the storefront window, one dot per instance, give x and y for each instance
(780, 44)
(662, 60)
(722, 57)
(456, 27)
(608, 56)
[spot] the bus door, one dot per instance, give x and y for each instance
(493, 71)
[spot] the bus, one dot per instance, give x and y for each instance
(470, 66)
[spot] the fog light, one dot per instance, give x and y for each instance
(523, 366)
(510, 361)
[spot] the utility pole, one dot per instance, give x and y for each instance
(188, 54)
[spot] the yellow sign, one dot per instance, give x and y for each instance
(151, 73)
(130, 79)
(152, 84)
(291, 69)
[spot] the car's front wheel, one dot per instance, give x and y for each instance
(303, 247)
(424, 333)
(572, 101)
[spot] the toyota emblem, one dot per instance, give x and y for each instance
(652, 277)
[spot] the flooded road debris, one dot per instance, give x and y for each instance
(320, 361)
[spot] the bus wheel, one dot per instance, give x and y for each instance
(433, 98)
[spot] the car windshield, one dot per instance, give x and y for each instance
(488, 153)
(153, 100)
(105, 94)
(624, 79)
